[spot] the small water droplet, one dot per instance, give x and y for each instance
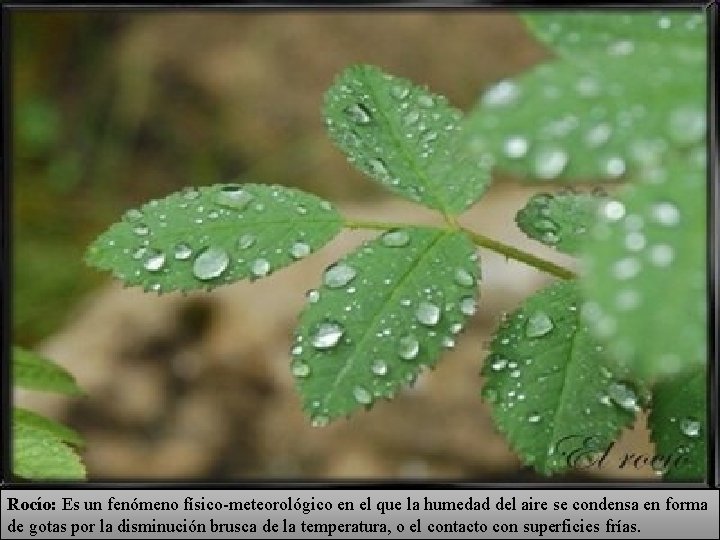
(501, 94)
(489, 394)
(408, 347)
(626, 268)
(141, 229)
(538, 324)
(320, 420)
(210, 263)
(327, 335)
(464, 278)
(362, 396)
(133, 215)
(299, 250)
(182, 252)
(300, 369)
(687, 125)
(296, 350)
(233, 196)
(425, 101)
(690, 427)
(515, 373)
(623, 395)
(661, 255)
(378, 168)
(612, 167)
(549, 163)
(533, 418)
(498, 364)
(154, 261)
(612, 210)
(396, 238)
(665, 213)
(516, 147)
(338, 275)
(468, 306)
(246, 241)
(598, 135)
(358, 113)
(399, 91)
(260, 267)
(428, 314)
(448, 342)
(313, 295)
(379, 367)
(621, 48)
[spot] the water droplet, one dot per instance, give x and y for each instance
(549, 163)
(666, 213)
(313, 295)
(408, 347)
(190, 193)
(664, 23)
(139, 253)
(133, 215)
(598, 135)
(379, 367)
(260, 267)
(320, 420)
(661, 255)
(623, 395)
(296, 350)
(425, 101)
(358, 113)
(396, 238)
(233, 196)
(300, 369)
(515, 373)
(612, 210)
(626, 268)
(468, 306)
(448, 342)
(378, 167)
(428, 314)
(464, 278)
(627, 300)
(141, 229)
(210, 263)
(516, 147)
(362, 396)
(687, 125)
(456, 328)
(411, 117)
(538, 324)
(498, 364)
(299, 250)
(155, 261)
(690, 427)
(246, 241)
(327, 335)
(501, 94)
(635, 241)
(613, 167)
(621, 48)
(338, 275)
(399, 91)
(533, 418)
(550, 237)
(182, 252)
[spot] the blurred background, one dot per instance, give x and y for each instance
(111, 109)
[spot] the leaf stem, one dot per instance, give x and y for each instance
(479, 240)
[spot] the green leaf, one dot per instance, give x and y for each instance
(575, 120)
(212, 236)
(548, 391)
(404, 137)
(34, 420)
(39, 455)
(645, 276)
(561, 221)
(36, 373)
(678, 425)
(573, 35)
(382, 313)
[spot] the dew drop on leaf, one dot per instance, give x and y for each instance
(690, 427)
(338, 275)
(549, 163)
(623, 395)
(428, 314)
(299, 250)
(358, 113)
(210, 263)
(498, 364)
(399, 91)
(408, 347)
(327, 335)
(234, 196)
(141, 229)
(313, 295)
(538, 324)
(300, 369)
(182, 252)
(533, 418)
(516, 147)
(661, 255)
(362, 396)
(133, 215)
(260, 267)
(320, 420)
(246, 241)
(154, 261)
(464, 278)
(379, 367)
(396, 238)
(468, 306)
(665, 213)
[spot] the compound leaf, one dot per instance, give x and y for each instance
(33, 372)
(561, 221)
(382, 313)
(25, 417)
(645, 278)
(38, 454)
(404, 137)
(678, 425)
(215, 235)
(601, 116)
(548, 391)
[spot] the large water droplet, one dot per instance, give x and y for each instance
(211, 263)
(428, 314)
(468, 306)
(260, 267)
(182, 252)
(408, 347)
(358, 113)
(154, 261)
(362, 395)
(464, 278)
(538, 324)
(379, 367)
(690, 427)
(338, 275)
(299, 250)
(396, 238)
(327, 335)
(623, 395)
(233, 196)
